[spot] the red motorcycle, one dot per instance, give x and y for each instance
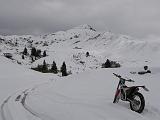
(130, 94)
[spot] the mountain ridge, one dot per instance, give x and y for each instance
(63, 45)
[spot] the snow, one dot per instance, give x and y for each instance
(89, 95)
(88, 92)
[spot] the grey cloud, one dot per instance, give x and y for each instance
(138, 18)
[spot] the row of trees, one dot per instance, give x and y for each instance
(44, 68)
(36, 53)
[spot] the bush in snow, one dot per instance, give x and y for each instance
(145, 67)
(38, 68)
(114, 64)
(107, 64)
(146, 70)
(8, 55)
(45, 43)
(64, 69)
(69, 72)
(41, 68)
(110, 64)
(76, 36)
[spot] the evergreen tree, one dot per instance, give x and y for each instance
(107, 64)
(32, 59)
(39, 68)
(44, 67)
(38, 53)
(25, 51)
(64, 69)
(44, 54)
(33, 51)
(22, 56)
(87, 54)
(54, 68)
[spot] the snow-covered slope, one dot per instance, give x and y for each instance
(71, 45)
(87, 95)
(15, 79)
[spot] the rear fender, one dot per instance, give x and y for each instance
(146, 89)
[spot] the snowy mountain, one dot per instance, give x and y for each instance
(71, 45)
(86, 95)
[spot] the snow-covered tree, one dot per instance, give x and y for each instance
(38, 53)
(44, 54)
(33, 51)
(22, 56)
(87, 54)
(25, 51)
(44, 67)
(64, 69)
(107, 64)
(54, 68)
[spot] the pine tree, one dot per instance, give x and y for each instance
(22, 56)
(25, 51)
(64, 69)
(87, 54)
(33, 51)
(39, 68)
(38, 53)
(107, 64)
(44, 67)
(44, 54)
(32, 59)
(54, 68)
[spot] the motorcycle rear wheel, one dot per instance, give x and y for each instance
(138, 103)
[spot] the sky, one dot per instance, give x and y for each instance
(137, 18)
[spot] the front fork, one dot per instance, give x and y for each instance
(117, 96)
(123, 94)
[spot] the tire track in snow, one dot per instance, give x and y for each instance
(24, 105)
(152, 112)
(5, 113)
(3, 109)
(34, 113)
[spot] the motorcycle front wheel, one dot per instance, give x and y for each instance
(137, 103)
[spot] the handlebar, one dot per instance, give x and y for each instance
(130, 80)
(123, 78)
(117, 75)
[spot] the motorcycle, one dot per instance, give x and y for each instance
(130, 94)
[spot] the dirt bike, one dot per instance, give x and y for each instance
(130, 94)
